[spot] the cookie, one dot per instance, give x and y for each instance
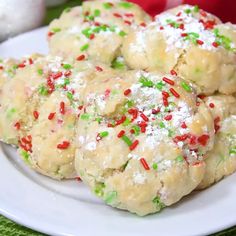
(96, 30)
(198, 51)
(221, 160)
(141, 140)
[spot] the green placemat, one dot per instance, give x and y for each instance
(9, 228)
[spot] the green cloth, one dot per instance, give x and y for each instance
(9, 228)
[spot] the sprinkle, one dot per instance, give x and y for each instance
(145, 82)
(126, 140)
(168, 81)
(145, 164)
(184, 35)
(36, 115)
(165, 94)
(211, 105)
(50, 34)
(57, 75)
(127, 22)
(103, 134)
(179, 158)
(162, 125)
(165, 102)
(185, 86)
(173, 72)
(215, 44)
(202, 96)
(127, 92)
(40, 71)
(136, 130)
(84, 47)
(85, 116)
(67, 73)
(133, 145)
(92, 36)
(63, 145)
(80, 58)
(184, 126)
(173, 91)
(67, 66)
(98, 68)
(143, 24)
(107, 5)
(196, 8)
(121, 134)
(144, 117)
(97, 12)
(142, 126)
(121, 120)
(199, 42)
(203, 139)
(203, 13)
(125, 4)
(154, 166)
(62, 108)
(168, 117)
(17, 125)
(160, 85)
(155, 111)
(122, 33)
(129, 14)
(51, 115)
(161, 27)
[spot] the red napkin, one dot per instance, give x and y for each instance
(224, 9)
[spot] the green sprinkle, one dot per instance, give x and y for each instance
(68, 9)
(99, 189)
(91, 18)
(179, 159)
(84, 47)
(170, 133)
(160, 85)
(122, 33)
(162, 125)
(158, 203)
(117, 64)
(186, 87)
(87, 32)
(56, 30)
(187, 11)
(85, 116)
(193, 34)
(173, 23)
(69, 96)
(98, 119)
(232, 151)
(196, 8)
(103, 134)
(146, 82)
(154, 166)
(136, 129)
(40, 71)
(126, 140)
(43, 90)
(97, 12)
(25, 155)
(126, 122)
(107, 5)
(110, 197)
(66, 81)
(67, 66)
(125, 4)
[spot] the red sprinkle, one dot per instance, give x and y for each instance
(173, 91)
(168, 81)
(129, 14)
(127, 22)
(143, 24)
(201, 96)
(80, 58)
(57, 75)
(145, 118)
(165, 102)
(121, 120)
(184, 126)
(117, 15)
(173, 72)
(121, 133)
(203, 139)
(161, 27)
(215, 44)
(184, 34)
(181, 26)
(63, 145)
(200, 42)
(216, 124)
(155, 111)
(211, 105)
(17, 125)
(50, 34)
(62, 108)
(203, 13)
(127, 92)
(98, 68)
(30, 61)
(36, 115)
(168, 117)
(67, 73)
(179, 14)
(78, 178)
(51, 115)
(142, 126)
(133, 145)
(145, 164)
(92, 36)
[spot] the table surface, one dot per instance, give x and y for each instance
(9, 228)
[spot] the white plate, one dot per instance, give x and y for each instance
(68, 208)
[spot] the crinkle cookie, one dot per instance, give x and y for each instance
(14, 98)
(96, 30)
(221, 160)
(47, 144)
(201, 53)
(141, 140)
